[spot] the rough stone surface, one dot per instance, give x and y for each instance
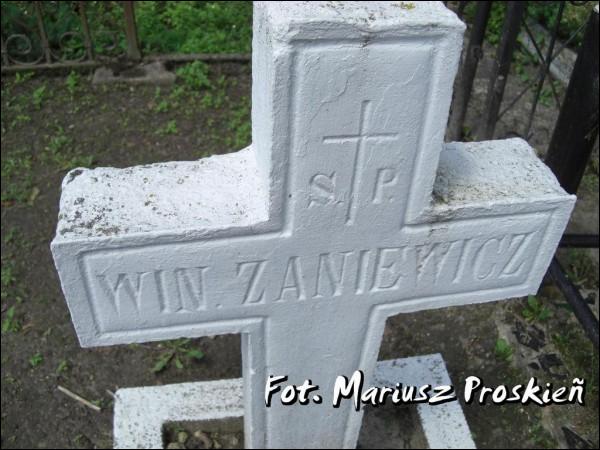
(220, 191)
(141, 412)
(349, 104)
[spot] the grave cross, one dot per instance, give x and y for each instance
(302, 249)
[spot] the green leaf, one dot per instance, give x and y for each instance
(178, 363)
(36, 360)
(62, 366)
(10, 323)
(503, 349)
(533, 302)
(196, 354)
(544, 315)
(162, 362)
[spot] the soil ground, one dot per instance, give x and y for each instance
(53, 124)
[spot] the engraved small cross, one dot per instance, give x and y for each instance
(360, 140)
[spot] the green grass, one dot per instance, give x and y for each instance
(535, 310)
(72, 82)
(580, 268)
(10, 324)
(61, 153)
(62, 367)
(580, 358)
(194, 75)
(176, 353)
(36, 360)
(503, 350)
(194, 27)
(17, 181)
(169, 128)
(13, 288)
(8, 273)
(541, 437)
(240, 125)
(38, 96)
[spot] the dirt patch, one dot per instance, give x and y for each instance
(116, 126)
(216, 434)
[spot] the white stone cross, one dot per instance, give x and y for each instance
(345, 210)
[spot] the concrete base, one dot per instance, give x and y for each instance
(149, 73)
(141, 412)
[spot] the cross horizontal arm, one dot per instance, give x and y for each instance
(153, 286)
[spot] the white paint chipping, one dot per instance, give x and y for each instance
(219, 191)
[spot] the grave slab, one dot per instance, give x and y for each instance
(346, 209)
(140, 413)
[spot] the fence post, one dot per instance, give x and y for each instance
(5, 61)
(42, 30)
(89, 47)
(464, 85)
(497, 80)
(576, 129)
(133, 49)
(572, 142)
(544, 68)
(580, 308)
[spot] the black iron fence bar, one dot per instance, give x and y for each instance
(572, 142)
(87, 37)
(569, 40)
(206, 57)
(579, 241)
(243, 58)
(581, 309)
(497, 80)
(576, 129)
(464, 86)
(532, 82)
(544, 62)
(544, 68)
(541, 57)
(42, 30)
(456, 122)
(133, 48)
(460, 11)
(5, 60)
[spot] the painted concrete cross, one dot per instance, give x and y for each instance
(346, 209)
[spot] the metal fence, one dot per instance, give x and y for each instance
(31, 42)
(516, 20)
(26, 44)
